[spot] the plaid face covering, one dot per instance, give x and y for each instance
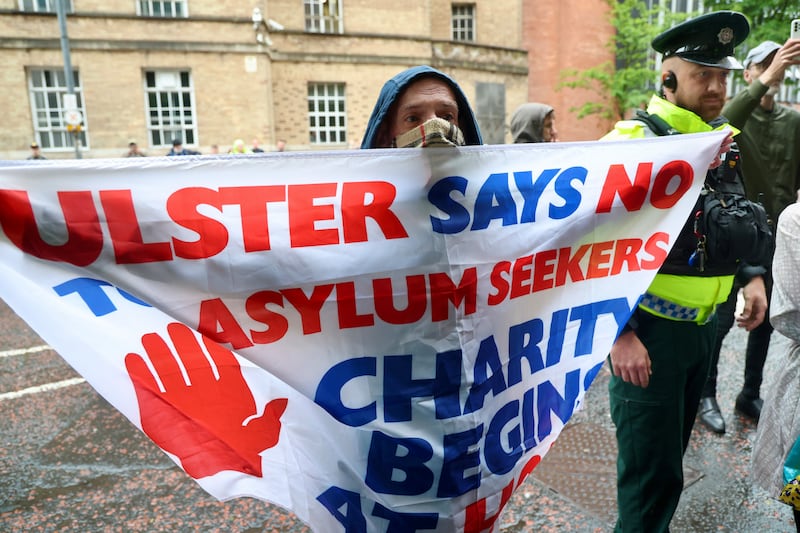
(435, 132)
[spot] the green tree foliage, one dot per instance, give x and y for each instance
(629, 83)
(769, 19)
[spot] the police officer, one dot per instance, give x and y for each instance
(661, 359)
(770, 144)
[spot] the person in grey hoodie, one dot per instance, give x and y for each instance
(534, 123)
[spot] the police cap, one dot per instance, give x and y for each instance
(706, 40)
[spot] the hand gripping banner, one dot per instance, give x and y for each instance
(378, 340)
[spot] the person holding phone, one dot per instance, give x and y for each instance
(770, 149)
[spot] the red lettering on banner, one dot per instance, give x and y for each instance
(310, 212)
(626, 253)
(416, 295)
(253, 202)
(444, 292)
(553, 268)
(217, 322)
(499, 282)
(521, 276)
(569, 264)
(212, 235)
(348, 308)
(599, 260)
(275, 309)
(544, 267)
(658, 248)
(633, 194)
(304, 213)
(309, 307)
(126, 235)
(661, 197)
(528, 468)
(477, 520)
(84, 235)
(256, 308)
(617, 181)
(356, 210)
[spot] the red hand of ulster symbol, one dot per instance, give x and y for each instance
(210, 423)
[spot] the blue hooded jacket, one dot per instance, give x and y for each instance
(392, 90)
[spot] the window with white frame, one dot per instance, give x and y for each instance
(43, 6)
(323, 16)
(327, 118)
(47, 89)
(170, 107)
(162, 8)
(463, 22)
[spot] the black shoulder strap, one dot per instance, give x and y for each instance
(656, 124)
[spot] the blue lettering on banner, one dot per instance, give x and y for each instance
(336, 499)
(460, 455)
(401, 465)
(564, 188)
(407, 455)
(94, 296)
(495, 199)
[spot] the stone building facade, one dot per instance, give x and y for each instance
(208, 72)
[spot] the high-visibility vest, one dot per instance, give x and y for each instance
(677, 297)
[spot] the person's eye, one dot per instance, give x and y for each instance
(411, 119)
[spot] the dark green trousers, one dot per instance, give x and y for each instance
(654, 423)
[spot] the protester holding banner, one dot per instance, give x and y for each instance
(661, 359)
(379, 340)
(533, 122)
(770, 144)
(421, 106)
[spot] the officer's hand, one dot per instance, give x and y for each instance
(630, 360)
(785, 57)
(724, 148)
(755, 304)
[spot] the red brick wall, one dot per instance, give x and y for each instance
(563, 34)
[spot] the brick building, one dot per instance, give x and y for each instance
(566, 34)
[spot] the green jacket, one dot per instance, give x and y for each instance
(770, 146)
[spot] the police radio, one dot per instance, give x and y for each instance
(726, 172)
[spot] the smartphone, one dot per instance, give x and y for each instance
(794, 32)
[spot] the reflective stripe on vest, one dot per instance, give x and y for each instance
(670, 310)
(697, 294)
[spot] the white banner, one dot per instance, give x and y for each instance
(378, 340)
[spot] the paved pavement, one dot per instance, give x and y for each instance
(70, 462)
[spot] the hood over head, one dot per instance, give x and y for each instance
(392, 90)
(527, 122)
